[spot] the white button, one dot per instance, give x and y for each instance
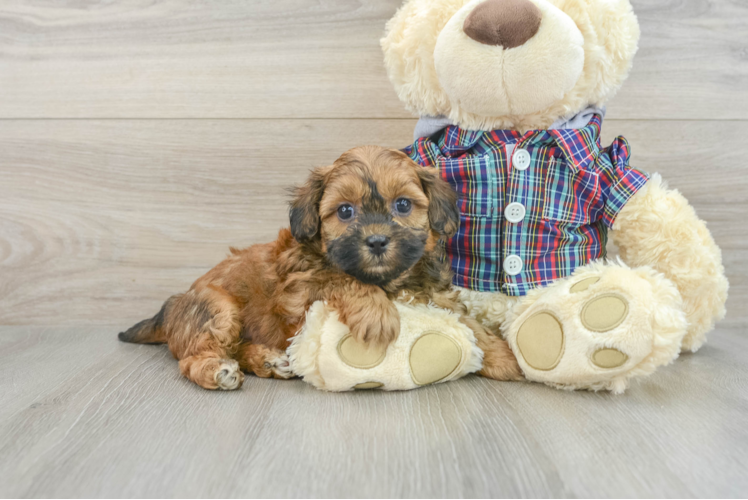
(512, 265)
(514, 212)
(521, 159)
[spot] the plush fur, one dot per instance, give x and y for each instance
(498, 81)
(671, 271)
(313, 352)
(241, 314)
(658, 227)
(609, 34)
(650, 334)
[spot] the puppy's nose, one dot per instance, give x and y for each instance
(377, 243)
(509, 23)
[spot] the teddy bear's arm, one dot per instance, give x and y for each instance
(659, 228)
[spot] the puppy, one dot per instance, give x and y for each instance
(363, 231)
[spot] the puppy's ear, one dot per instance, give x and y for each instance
(443, 214)
(304, 210)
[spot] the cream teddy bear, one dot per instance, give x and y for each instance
(511, 95)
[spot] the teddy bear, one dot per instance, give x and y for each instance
(511, 97)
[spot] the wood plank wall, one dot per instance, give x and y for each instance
(138, 140)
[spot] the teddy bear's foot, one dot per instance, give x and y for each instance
(598, 329)
(433, 346)
(541, 337)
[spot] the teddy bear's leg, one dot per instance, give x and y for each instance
(658, 228)
(434, 345)
(597, 328)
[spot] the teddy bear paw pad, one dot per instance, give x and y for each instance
(359, 355)
(368, 385)
(583, 285)
(541, 341)
(433, 357)
(609, 358)
(605, 312)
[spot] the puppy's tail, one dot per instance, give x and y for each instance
(148, 331)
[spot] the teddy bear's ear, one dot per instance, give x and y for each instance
(614, 48)
(444, 216)
(304, 210)
(408, 46)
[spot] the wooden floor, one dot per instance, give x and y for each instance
(82, 415)
(138, 140)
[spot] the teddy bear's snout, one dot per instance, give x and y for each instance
(508, 23)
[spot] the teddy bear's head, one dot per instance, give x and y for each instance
(488, 64)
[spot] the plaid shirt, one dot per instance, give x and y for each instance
(563, 200)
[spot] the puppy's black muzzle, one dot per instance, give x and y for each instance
(376, 250)
(378, 244)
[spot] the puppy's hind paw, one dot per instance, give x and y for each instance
(279, 366)
(229, 377)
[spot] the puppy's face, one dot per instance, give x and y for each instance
(374, 213)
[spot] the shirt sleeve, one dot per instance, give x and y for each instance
(618, 181)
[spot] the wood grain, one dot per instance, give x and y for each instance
(101, 221)
(82, 415)
(309, 59)
(139, 139)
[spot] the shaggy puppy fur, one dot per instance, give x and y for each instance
(364, 231)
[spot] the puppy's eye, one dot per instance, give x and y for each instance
(403, 206)
(345, 212)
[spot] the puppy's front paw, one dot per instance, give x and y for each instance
(375, 325)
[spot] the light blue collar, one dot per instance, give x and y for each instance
(429, 125)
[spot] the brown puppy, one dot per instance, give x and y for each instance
(363, 232)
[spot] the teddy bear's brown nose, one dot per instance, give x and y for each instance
(509, 23)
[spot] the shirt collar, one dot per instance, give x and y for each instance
(580, 146)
